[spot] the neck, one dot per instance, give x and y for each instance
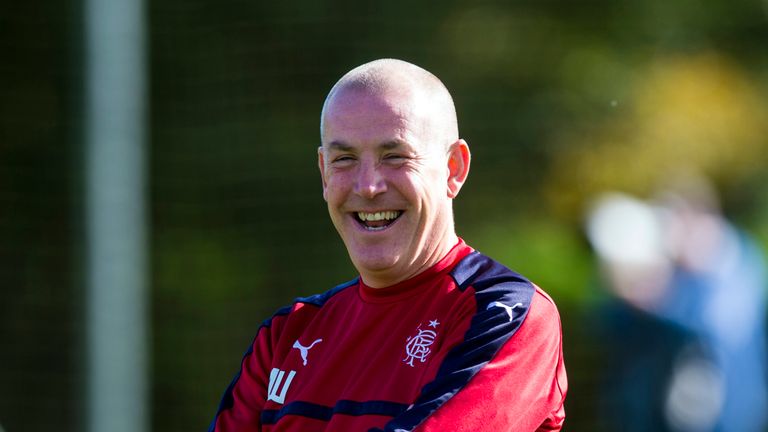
(391, 276)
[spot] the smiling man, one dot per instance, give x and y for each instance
(432, 335)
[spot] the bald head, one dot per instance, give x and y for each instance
(390, 149)
(391, 79)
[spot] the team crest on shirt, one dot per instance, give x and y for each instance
(418, 346)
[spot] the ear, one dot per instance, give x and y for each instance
(321, 165)
(458, 166)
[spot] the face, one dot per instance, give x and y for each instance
(388, 180)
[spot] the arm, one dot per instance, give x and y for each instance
(522, 389)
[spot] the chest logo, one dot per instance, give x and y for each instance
(418, 347)
(509, 309)
(304, 351)
(277, 388)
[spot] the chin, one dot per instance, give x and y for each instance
(374, 260)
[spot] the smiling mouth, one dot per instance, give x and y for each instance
(377, 221)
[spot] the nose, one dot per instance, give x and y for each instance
(370, 181)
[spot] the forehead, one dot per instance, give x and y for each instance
(354, 115)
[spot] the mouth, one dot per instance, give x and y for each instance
(377, 221)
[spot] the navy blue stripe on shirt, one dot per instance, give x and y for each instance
(325, 413)
(503, 298)
(314, 300)
(320, 299)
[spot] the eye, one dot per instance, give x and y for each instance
(343, 159)
(394, 157)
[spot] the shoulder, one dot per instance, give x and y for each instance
(316, 302)
(506, 302)
(496, 288)
(542, 326)
(482, 272)
(543, 306)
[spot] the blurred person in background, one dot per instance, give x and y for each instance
(717, 290)
(433, 335)
(639, 350)
(693, 288)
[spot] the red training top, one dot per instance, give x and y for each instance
(467, 345)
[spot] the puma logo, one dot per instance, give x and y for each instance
(305, 350)
(507, 308)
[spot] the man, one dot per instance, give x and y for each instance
(433, 336)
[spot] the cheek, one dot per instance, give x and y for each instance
(336, 188)
(430, 186)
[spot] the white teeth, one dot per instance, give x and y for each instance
(378, 216)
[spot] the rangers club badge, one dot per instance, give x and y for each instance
(417, 347)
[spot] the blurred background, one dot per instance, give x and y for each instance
(619, 151)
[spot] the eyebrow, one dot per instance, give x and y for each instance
(342, 146)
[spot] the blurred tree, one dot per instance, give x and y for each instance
(700, 113)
